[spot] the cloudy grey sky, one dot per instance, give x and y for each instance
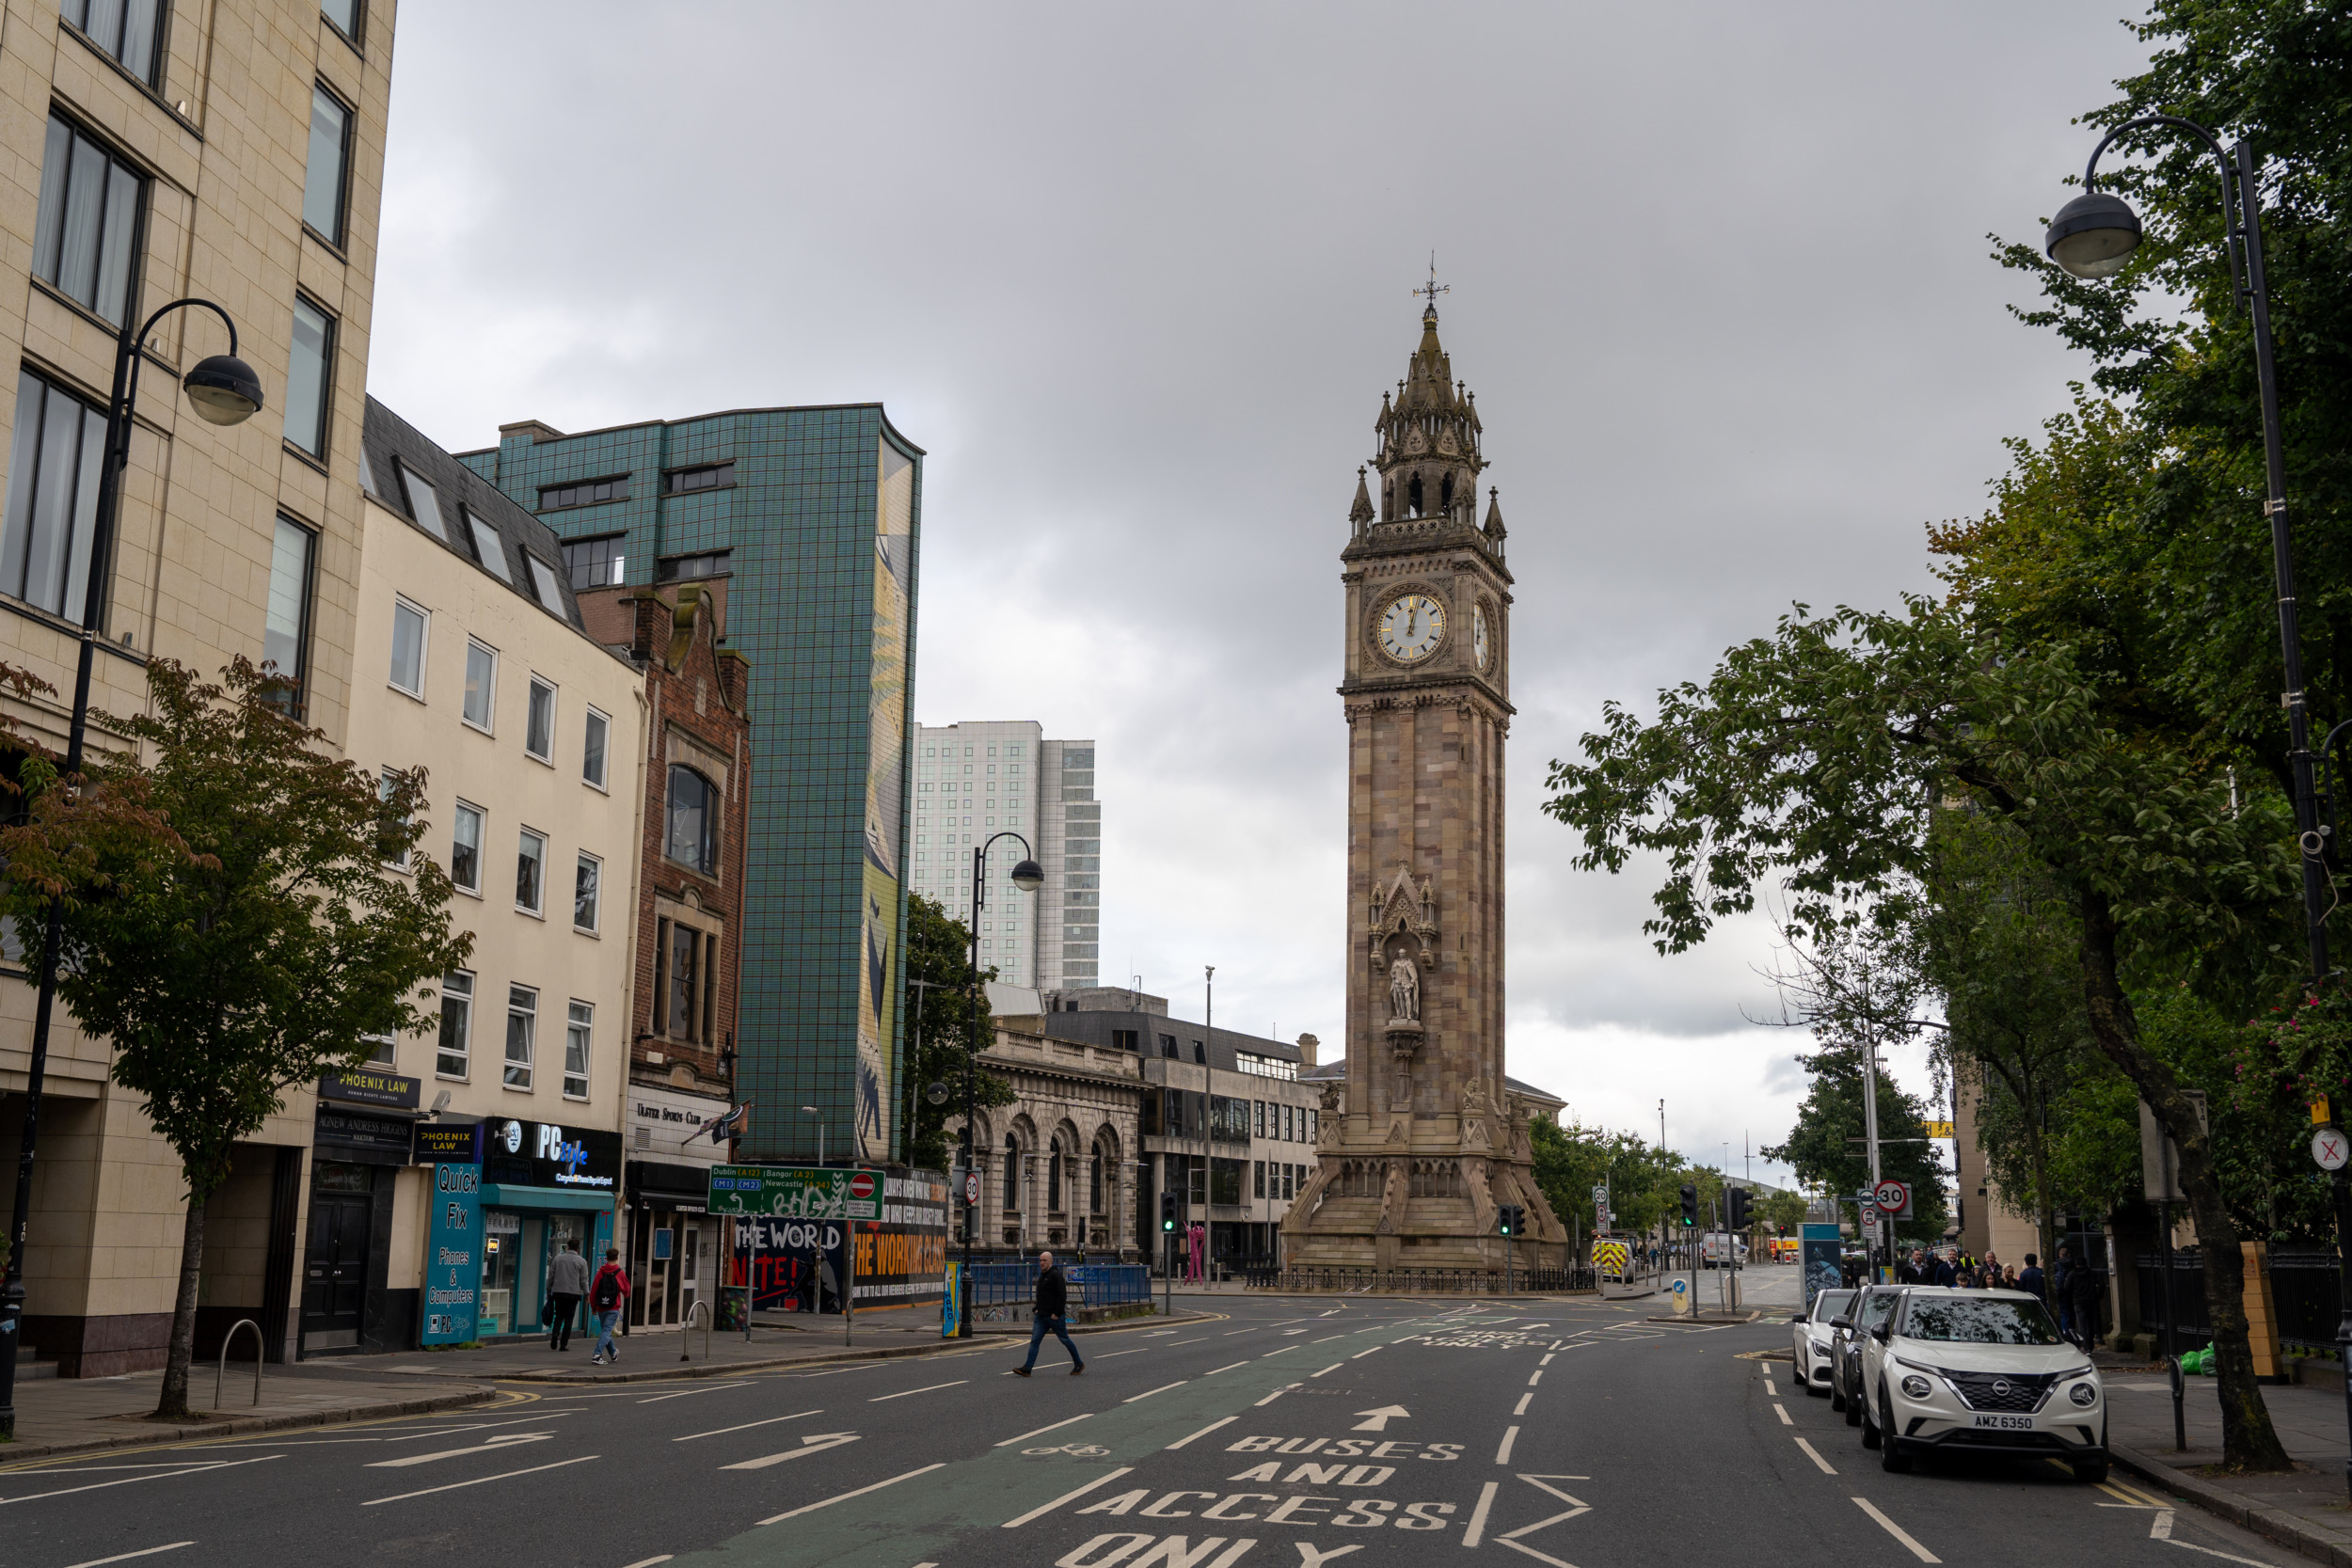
(1136, 278)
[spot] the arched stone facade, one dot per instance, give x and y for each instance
(1058, 1165)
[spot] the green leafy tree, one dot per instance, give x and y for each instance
(1783, 1212)
(1828, 1150)
(253, 941)
(939, 955)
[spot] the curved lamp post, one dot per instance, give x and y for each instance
(1028, 877)
(2093, 237)
(224, 391)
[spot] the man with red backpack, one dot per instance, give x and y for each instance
(605, 1296)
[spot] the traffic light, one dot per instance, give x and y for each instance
(1740, 1199)
(1511, 1219)
(1167, 1212)
(1690, 1206)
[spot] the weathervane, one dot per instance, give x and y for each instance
(1432, 288)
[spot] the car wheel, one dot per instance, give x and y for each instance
(1894, 1458)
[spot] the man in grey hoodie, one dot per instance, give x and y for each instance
(568, 1281)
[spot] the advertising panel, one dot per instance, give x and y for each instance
(1820, 1260)
(791, 1264)
(453, 1272)
(885, 803)
(459, 1141)
(796, 1192)
(367, 1086)
(951, 1302)
(548, 1154)
(902, 1256)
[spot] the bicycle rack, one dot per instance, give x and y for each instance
(261, 1347)
(688, 1328)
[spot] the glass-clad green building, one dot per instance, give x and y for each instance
(807, 522)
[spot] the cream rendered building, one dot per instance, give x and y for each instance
(233, 152)
(471, 663)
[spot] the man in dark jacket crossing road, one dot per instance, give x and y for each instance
(1051, 1310)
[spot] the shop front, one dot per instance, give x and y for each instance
(675, 1250)
(360, 1141)
(508, 1196)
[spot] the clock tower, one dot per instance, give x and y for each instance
(1425, 1140)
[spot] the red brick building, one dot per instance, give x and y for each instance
(696, 777)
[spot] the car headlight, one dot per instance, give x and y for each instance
(2085, 1394)
(1915, 1388)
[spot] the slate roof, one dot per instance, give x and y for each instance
(1095, 1028)
(1336, 1072)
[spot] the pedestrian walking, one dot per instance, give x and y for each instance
(2061, 1296)
(568, 1282)
(2084, 1298)
(2030, 1278)
(605, 1297)
(1942, 1272)
(1050, 1309)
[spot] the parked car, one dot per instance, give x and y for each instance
(1979, 1371)
(1871, 1307)
(1809, 1339)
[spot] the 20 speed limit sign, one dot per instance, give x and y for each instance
(2331, 1148)
(1894, 1199)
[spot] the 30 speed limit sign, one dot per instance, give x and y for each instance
(1894, 1199)
(2331, 1148)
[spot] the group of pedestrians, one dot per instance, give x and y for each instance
(568, 1282)
(2073, 1290)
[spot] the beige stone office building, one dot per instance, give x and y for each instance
(150, 151)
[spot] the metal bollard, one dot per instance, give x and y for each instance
(688, 1328)
(261, 1347)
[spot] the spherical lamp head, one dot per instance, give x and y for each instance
(2094, 235)
(224, 390)
(1028, 876)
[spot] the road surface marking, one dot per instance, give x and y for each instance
(1230, 1332)
(720, 1432)
(1502, 1455)
(2210, 1552)
(811, 1508)
(1478, 1515)
(1769, 1389)
(1535, 1377)
(1547, 1355)
(125, 1557)
(649, 1561)
(1042, 1430)
(1185, 1342)
(817, 1442)
(1784, 1416)
(1066, 1497)
(1332, 1368)
(503, 1440)
(932, 1389)
(1814, 1455)
(197, 1468)
(1362, 1354)
(1205, 1431)
(1225, 1368)
(1284, 1350)
(1520, 1409)
(711, 1388)
(1896, 1532)
(1276, 1394)
(456, 1485)
(1137, 1351)
(1327, 1338)
(1161, 1389)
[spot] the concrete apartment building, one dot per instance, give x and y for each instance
(976, 779)
(804, 524)
(155, 151)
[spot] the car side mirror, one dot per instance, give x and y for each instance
(1882, 1334)
(1841, 1323)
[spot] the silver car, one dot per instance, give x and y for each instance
(1810, 1336)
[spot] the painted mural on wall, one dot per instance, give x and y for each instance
(885, 804)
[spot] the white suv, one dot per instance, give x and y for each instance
(1810, 1340)
(1979, 1371)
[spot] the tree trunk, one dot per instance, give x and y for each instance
(174, 1404)
(2247, 1440)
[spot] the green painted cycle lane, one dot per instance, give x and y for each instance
(921, 1513)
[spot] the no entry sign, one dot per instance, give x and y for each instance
(862, 1185)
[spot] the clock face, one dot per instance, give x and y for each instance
(1480, 648)
(1411, 628)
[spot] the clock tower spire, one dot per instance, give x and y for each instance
(1426, 1139)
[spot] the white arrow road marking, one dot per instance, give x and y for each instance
(1066, 1497)
(1380, 1418)
(720, 1432)
(811, 1508)
(503, 1440)
(1896, 1532)
(813, 1443)
(484, 1480)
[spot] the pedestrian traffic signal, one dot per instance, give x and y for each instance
(1740, 1199)
(1167, 1212)
(1690, 1206)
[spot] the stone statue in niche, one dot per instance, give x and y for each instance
(1403, 990)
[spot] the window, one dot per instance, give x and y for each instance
(384, 785)
(465, 848)
(482, 679)
(128, 32)
(307, 385)
(330, 172)
(386, 1052)
(423, 503)
(456, 1024)
(1168, 1045)
(543, 579)
(408, 625)
(1257, 1178)
(685, 953)
(86, 233)
(575, 1050)
(585, 889)
(598, 728)
(596, 562)
(530, 867)
(52, 497)
(710, 476)
(344, 14)
(1257, 1109)
(711, 564)
(1310, 1115)
(489, 549)
(585, 492)
(539, 723)
(693, 836)
(1012, 1174)
(1199, 1052)
(286, 621)
(1124, 1040)
(522, 1026)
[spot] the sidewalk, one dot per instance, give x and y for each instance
(2306, 1510)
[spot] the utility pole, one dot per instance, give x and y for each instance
(1870, 1123)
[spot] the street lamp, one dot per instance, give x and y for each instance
(1028, 877)
(225, 391)
(821, 1132)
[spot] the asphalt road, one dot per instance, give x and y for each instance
(1288, 1433)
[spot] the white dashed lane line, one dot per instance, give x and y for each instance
(1815, 1455)
(1896, 1532)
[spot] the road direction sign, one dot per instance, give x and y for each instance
(1894, 1199)
(2331, 1148)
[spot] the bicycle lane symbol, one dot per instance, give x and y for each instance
(1075, 1450)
